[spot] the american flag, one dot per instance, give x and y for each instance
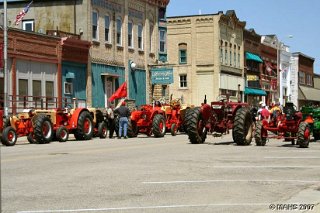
(20, 16)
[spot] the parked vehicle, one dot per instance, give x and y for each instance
(218, 118)
(288, 125)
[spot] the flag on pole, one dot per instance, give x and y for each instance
(20, 16)
(120, 93)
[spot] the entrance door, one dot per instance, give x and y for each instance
(109, 88)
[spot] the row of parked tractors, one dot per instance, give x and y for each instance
(218, 118)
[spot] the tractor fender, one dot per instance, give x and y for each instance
(73, 123)
(206, 112)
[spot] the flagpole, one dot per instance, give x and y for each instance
(5, 57)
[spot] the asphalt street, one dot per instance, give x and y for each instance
(169, 174)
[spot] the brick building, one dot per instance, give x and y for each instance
(206, 52)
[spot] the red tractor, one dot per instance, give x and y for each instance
(288, 125)
(149, 119)
(8, 135)
(218, 118)
(175, 114)
(36, 127)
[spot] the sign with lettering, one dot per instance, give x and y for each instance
(163, 75)
(252, 78)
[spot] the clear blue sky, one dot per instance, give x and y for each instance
(299, 18)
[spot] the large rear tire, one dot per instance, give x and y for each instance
(243, 127)
(85, 126)
(43, 129)
(158, 126)
(102, 130)
(303, 137)
(260, 141)
(9, 136)
(196, 129)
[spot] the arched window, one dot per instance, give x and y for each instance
(95, 18)
(107, 28)
(182, 53)
(140, 36)
(130, 34)
(119, 32)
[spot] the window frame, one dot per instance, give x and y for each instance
(95, 26)
(130, 35)
(140, 37)
(68, 88)
(119, 33)
(162, 41)
(107, 30)
(183, 83)
(25, 22)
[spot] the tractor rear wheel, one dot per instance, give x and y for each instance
(260, 140)
(196, 129)
(132, 129)
(173, 129)
(43, 129)
(242, 127)
(9, 136)
(158, 126)
(62, 134)
(303, 136)
(102, 130)
(85, 126)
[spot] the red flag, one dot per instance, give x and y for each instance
(120, 93)
(20, 16)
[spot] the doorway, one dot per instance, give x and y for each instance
(109, 88)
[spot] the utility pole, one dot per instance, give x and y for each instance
(5, 57)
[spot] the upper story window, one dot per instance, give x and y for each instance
(309, 80)
(28, 25)
(183, 81)
(151, 38)
(140, 36)
(119, 32)
(302, 78)
(130, 31)
(107, 29)
(182, 53)
(94, 25)
(162, 40)
(226, 53)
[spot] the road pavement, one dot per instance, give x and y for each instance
(169, 174)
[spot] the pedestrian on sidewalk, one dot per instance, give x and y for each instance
(124, 114)
(111, 121)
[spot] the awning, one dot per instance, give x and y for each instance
(110, 75)
(309, 93)
(254, 57)
(252, 91)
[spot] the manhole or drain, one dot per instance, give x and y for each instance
(58, 153)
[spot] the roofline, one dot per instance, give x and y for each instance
(195, 15)
(302, 54)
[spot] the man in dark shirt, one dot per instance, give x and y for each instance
(124, 113)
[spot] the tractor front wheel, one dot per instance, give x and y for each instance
(158, 126)
(85, 126)
(196, 129)
(174, 129)
(303, 137)
(62, 134)
(243, 127)
(9, 136)
(260, 140)
(102, 130)
(43, 130)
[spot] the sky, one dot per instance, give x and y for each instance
(298, 19)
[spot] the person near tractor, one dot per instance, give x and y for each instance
(263, 113)
(275, 110)
(111, 121)
(124, 114)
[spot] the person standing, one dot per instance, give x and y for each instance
(111, 121)
(124, 113)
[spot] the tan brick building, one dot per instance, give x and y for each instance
(207, 55)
